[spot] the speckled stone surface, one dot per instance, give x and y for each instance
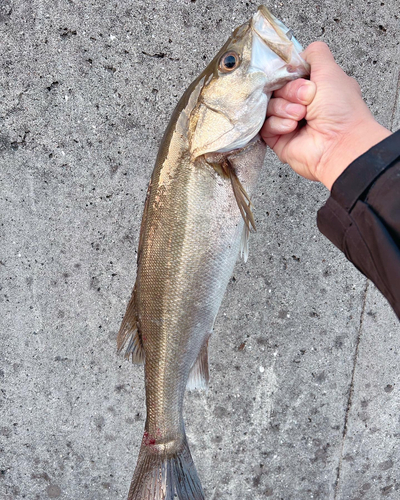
(304, 394)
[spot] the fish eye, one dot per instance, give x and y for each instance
(229, 62)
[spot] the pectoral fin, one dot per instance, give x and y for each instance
(199, 374)
(244, 244)
(129, 333)
(242, 198)
(243, 201)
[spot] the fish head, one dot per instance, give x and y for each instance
(260, 56)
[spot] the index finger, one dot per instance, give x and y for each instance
(298, 91)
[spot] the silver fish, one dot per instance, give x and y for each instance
(197, 215)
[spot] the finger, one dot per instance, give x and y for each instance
(323, 64)
(298, 91)
(318, 53)
(285, 109)
(277, 142)
(277, 126)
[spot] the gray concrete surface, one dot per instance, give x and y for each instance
(305, 390)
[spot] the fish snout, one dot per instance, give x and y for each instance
(275, 51)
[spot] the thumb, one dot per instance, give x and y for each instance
(318, 54)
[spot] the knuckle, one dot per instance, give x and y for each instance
(272, 123)
(289, 91)
(280, 107)
(353, 84)
(293, 89)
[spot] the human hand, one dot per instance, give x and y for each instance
(339, 126)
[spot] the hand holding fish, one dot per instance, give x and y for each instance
(339, 125)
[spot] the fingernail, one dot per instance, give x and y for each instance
(294, 110)
(306, 92)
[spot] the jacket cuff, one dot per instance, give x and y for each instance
(333, 219)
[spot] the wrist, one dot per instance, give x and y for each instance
(349, 147)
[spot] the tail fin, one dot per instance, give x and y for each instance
(162, 475)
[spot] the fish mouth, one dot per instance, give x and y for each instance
(275, 50)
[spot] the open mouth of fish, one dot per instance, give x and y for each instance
(275, 49)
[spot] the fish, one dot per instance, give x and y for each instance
(197, 218)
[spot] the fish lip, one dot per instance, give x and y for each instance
(266, 14)
(286, 48)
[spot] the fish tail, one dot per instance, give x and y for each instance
(161, 474)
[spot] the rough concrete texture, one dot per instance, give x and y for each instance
(305, 388)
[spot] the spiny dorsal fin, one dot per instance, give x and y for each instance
(129, 332)
(199, 374)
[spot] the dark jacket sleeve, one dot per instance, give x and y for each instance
(362, 216)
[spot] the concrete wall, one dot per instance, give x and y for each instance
(304, 394)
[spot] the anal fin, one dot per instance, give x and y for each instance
(129, 334)
(199, 375)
